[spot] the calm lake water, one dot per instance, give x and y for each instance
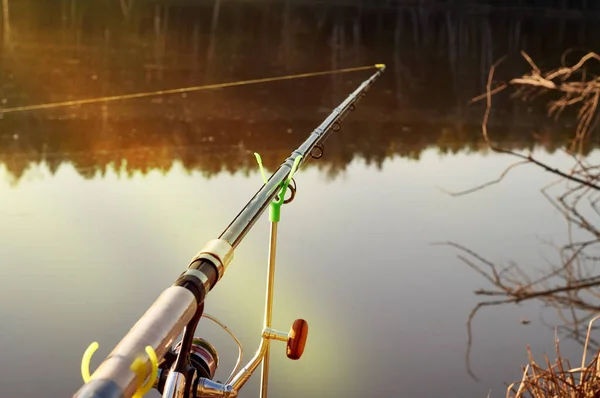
(103, 205)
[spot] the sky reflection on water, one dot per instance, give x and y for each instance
(355, 260)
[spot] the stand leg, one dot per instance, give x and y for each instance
(269, 307)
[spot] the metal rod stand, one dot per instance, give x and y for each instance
(269, 307)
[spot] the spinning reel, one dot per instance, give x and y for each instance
(204, 360)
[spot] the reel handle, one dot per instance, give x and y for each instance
(297, 339)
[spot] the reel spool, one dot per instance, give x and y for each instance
(203, 356)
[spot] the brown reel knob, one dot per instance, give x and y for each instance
(297, 339)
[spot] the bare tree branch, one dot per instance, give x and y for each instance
(572, 287)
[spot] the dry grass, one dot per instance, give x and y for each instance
(560, 379)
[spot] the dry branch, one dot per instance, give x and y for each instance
(585, 92)
(573, 286)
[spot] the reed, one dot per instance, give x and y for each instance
(559, 379)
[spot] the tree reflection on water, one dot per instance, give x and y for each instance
(437, 60)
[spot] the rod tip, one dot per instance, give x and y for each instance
(380, 66)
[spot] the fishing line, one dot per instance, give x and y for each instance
(180, 90)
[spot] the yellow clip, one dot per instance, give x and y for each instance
(138, 367)
(85, 361)
(260, 165)
(380, 66)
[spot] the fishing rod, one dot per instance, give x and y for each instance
(145, 358)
